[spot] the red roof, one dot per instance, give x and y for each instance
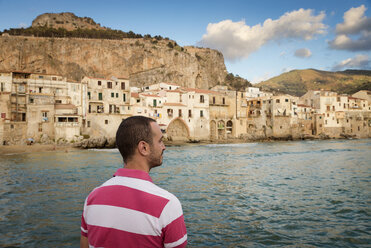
(201, 91)
(149, 95)
(136, 95)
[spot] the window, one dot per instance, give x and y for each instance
(99, 83)
(201, 113)
(100, 96)
(44, 116)
(89, 95)
(117, 95)
(109, 85)
(189, 113)
(40, 89)
(106, 122)
(112, 94)
(202, 99)
(2, 87)
(277, 100)
(89, 108)
(88, 123)
(286, 100)
(170, 112)
(124, 97)
(241, 94)
(223, 100)
(122, 85)
(213, 99)
(40, 127)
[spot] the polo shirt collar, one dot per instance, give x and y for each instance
(123, 172)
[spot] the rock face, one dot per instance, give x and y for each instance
(66, 20)
(143, 61)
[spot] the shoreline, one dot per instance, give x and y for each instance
(24, 149)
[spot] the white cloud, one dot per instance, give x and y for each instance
(303, 53)
(236, 40)
(360, 61)
(355, 23)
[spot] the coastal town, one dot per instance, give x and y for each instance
(51, 109)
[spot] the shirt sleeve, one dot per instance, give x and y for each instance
(84, 227)
(174, 232)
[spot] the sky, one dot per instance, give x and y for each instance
(258, 39)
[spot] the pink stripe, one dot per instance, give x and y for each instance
(109, 237)
(83, 225)
(175, 231)
(122, 196)
(123, 172)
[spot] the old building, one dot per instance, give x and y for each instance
(108, 103)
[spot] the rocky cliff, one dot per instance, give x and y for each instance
(66, 20)
(143, 61)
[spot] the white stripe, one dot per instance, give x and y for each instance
(172, 211)
(139, 184)
(122, 219)
(176, 243)
(85, 231)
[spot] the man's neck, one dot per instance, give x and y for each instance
(137, 165)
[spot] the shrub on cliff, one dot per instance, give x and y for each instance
(78, 33)
(237, 82)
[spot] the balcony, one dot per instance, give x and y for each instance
(67, 124)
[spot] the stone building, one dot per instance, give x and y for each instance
(32, 104)
(108, 103)
(228, 113)
(338, 115)
(182, 113)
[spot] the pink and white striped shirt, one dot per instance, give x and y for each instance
(129, 210)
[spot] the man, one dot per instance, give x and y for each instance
(129, 210)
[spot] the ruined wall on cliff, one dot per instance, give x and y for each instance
(143, 61)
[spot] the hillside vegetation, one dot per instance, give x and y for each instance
(298, 82)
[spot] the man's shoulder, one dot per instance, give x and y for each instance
(138, 184)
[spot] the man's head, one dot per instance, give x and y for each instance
(142, 136)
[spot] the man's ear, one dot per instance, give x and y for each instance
(143, 148)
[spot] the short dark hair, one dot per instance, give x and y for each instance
(130, 132)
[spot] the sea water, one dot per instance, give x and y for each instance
(291, 194)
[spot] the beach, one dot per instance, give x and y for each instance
(20, 149)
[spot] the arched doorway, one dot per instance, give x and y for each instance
(177, 130)
(213, 135)
(229, 129)
(221, 130)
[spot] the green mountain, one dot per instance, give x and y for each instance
(298, 82)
